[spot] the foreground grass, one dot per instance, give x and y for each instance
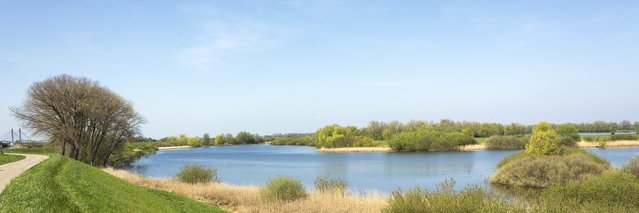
(246, 198)
(60, 184)
(4, 159)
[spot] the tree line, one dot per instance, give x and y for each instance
(443, 133)
(242, 137)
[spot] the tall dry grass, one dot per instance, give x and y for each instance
(246, 198)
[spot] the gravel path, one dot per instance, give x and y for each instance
(14, 169)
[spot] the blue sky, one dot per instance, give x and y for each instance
(294, 66)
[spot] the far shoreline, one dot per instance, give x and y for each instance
(466, 148)
(173, 147)
(475, 147)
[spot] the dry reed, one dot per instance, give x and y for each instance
(246, 198)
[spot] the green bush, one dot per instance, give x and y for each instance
(282, 189)
(632, 166)
(298, 141)
(325, 184)
(412, 141)
(567, 142)
(429, 140)
(568, 130)
(542, 171)
(365, 142)
(543, 141)
(197, 174)
(498, 142)
(445, 199)
(608, 190)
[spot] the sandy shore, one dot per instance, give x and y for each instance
(356, 149)
(608, 144)
(472, 147)
(174, 147)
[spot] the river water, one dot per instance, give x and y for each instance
(364, 172)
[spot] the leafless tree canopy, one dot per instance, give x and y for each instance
(85, 120)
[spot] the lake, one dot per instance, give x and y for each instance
(382, 172)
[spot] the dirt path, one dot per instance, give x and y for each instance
(14, 169)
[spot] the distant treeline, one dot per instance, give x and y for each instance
(219, 140)
(440, 135)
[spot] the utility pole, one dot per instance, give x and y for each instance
(20, 134)
(12, 136)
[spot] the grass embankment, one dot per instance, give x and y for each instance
(61, 184)
(247, 198)
(4, 159)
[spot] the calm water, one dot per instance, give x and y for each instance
(256, 164)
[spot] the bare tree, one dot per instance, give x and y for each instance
(625, 124)
(86, 121)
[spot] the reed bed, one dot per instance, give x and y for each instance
(246, 198)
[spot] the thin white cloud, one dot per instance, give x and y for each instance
(220, 40)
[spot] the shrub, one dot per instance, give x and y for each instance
(542, 171)
(282, 189)
(511, 158)
(300, 141)
(412, 141)
(428, 140)
(608, 190)
(632, 166)
(197, 174)
(568, 130)
(457, 138)
(445, 199)
(365, 142)
(498, 142)
(543, 141)
(325, 184)
(567, 142)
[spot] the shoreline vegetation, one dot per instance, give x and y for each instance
(247, 198)
(476, 147)
(173, 147)
(395, 136)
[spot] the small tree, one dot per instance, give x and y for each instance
(206, 139)
(219, 140)
(568, 130)
(543, 141)
(625, 125)
(194, 141)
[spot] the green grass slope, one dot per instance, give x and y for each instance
(4, 159)
(61, 184)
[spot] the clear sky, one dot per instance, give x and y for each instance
(294, 66)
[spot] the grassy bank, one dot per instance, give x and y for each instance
(4, 159)
(61, 184)
(246, 198)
